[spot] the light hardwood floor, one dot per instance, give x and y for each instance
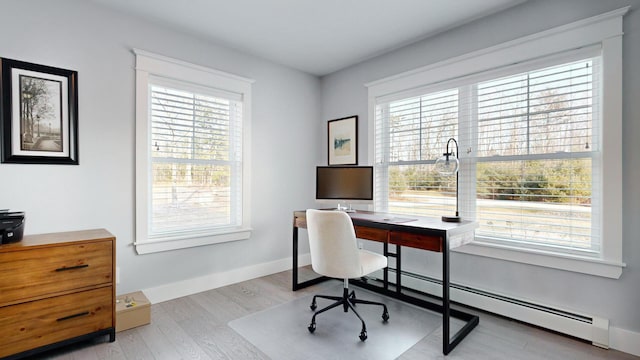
(195, 327)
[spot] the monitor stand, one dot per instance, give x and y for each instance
(346, 209)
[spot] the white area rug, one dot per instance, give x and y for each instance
(281, 332)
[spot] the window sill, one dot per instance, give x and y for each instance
(175, 243)
(584, 265)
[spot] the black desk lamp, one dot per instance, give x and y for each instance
(449, 164)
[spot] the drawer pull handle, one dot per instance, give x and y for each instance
(73, 316)
(72, 267)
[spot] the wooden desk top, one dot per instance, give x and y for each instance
(408, 224)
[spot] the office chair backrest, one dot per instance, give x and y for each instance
(333, 244)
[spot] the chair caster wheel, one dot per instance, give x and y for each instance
(363, 336)
(385, 316)
(313, 306)
(312, 327)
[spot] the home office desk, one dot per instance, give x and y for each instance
(430, 234)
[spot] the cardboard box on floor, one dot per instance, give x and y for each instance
(132, 310)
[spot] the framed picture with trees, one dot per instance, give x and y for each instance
(39, 114)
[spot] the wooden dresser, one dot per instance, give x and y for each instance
(56, 289)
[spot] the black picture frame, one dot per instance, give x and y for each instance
(342, 141)
(39, 114)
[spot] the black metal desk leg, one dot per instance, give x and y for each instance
(398, 269)
(385, 271)
(294, 270)
(446, 305)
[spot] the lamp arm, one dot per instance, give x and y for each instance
(455, 142)
(457, 172)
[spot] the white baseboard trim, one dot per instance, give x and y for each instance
(599, 332)
(582, 326)
(624, 340)
(188, 287)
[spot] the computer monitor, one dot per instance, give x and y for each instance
(344, 184)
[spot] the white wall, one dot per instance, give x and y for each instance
(344, 94)
(99, 193)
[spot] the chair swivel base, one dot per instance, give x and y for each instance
(348, 301)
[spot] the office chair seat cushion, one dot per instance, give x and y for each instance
(371, 262)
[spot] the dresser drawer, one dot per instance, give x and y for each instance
(371, 233)
(33, 274)
(38, 323)
(425, 242)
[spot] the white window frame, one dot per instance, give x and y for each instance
(149, 65)
(605, 31)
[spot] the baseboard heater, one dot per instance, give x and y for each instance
(582, 326)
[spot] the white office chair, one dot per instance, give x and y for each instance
(335, 253)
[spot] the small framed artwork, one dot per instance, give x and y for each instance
(39, 114)
(343, 141)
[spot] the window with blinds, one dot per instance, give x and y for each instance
(196, 154)
(537, 156)
(193, 163)
(417, 130)
(530, 156)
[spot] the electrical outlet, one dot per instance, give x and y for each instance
(117, 275)
(360, 245)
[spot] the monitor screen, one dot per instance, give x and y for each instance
(344, 183)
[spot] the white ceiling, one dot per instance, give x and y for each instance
(315, 36)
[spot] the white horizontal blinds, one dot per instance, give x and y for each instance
(530, 162)
(410, 135)
(196, 158)
(537, 158)
(540, 112)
